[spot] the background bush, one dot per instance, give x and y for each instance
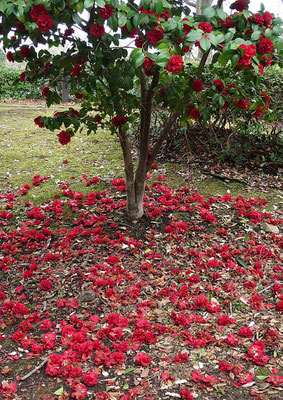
(12, 88)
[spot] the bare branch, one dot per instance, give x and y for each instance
(171, 120)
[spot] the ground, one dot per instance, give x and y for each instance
(185, 304)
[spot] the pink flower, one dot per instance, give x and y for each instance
(143, 359)
(246, 332)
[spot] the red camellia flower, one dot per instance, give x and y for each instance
(79, 95)
(38, 10)
(90, 379)
(97, 30)
(10, 57)
(186, 394)
(239, 5)
(37, 122)
(175, 64)
(25, 51)
(267, 17)
(186, 28)
(64, 137)
(77, 69)
(197, 85)
(44, 23)
(143, 359)
(45, 284)
(194, 113)
(23, 76)
(154, 35)
(242, 104)
(45, 91)
(265, 46)
(249, 51)
(106, 12)
(205, 27)
(119, 120)
(147, 64)
(218, 84)
(97, 118)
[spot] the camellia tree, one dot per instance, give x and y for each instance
(122, 58)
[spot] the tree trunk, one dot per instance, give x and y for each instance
(135, 181)
(65, 90)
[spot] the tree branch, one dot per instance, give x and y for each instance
(161, 138)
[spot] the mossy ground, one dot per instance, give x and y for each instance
(27, 150)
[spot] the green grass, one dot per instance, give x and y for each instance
(27, 150)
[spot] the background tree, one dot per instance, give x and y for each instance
(118, 80)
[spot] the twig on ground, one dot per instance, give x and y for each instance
(34, 370)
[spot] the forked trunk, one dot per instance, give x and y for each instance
(135, 194)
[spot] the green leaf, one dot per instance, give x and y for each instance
(209, 12)
(221, 14)
(268, 33)
(59, 391)
(246, 13)
(163, 59)
(241, 262)
(159, 7)
(122, 19)
(205, 44)
(256, 35)
(100, 3)
(138, 57)
(261, 377)
(126, 386)
(235, 60)
(193, 36)
(89, 3)
(128, 370)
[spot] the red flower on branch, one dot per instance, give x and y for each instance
(64, 137)
(106, 12)
(97, 30)
(175, 64)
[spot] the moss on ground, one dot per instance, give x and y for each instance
(27, 150)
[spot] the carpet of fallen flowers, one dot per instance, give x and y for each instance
(185, 304)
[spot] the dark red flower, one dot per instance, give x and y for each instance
(64, 137)
(25, 51)
(38, 10)
(45, 91)
(194, 113)
(175, 64)
(154, 35)
(37, 122)
(69, 32)
(119, 120)
(205, 27)
(186, 28)
(23, 76)
(218, 84)
(139, 42)
(267, 17)
(106, 12)
(147, 64)
(97, 118)
(239, 5)
(79, 95)
(265, 46)
(97, 30)
(10, 57)
(44, 23)
(197, 85)
(77, 69)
